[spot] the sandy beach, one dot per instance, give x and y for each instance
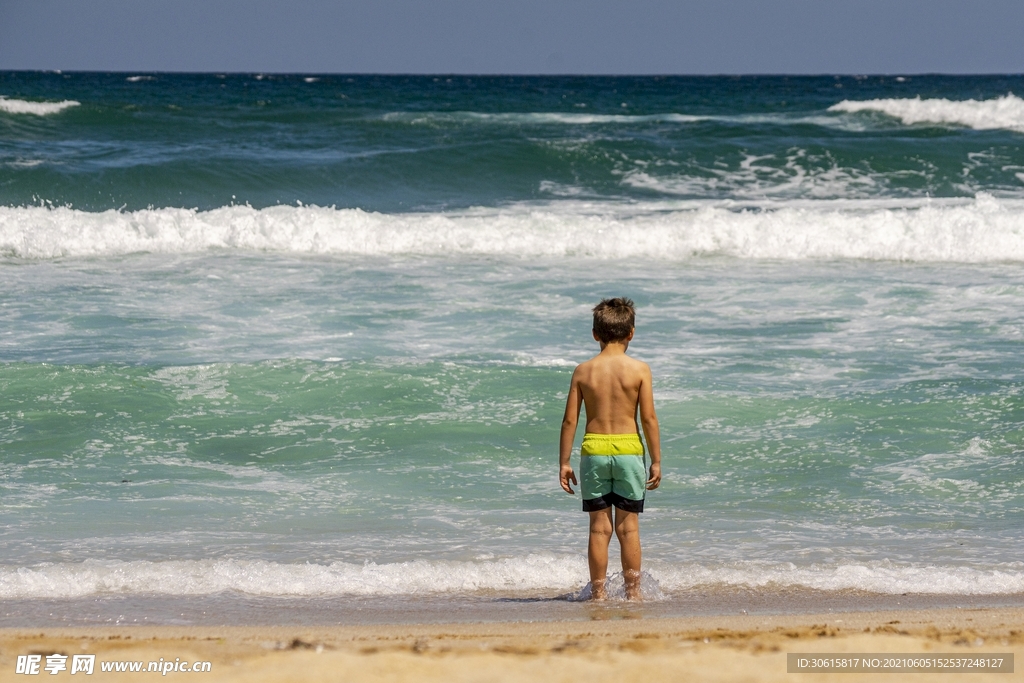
(612, 647)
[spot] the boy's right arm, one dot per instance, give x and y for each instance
(573, 403)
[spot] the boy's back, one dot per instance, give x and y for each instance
(610, 386)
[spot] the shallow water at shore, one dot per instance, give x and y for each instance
(237, 610)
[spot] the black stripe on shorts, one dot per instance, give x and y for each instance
(611, 498)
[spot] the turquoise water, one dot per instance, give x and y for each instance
(287, 338)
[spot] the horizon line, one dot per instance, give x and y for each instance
(457, 74)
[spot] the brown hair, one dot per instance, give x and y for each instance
(614, 319)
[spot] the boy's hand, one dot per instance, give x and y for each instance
(565, 475)
(654, 481)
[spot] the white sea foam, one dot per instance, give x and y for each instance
(766, 176)
(256, 577)
(572, 118)
(586, 119)
(529, 574)
(1002, 112)
(980, 230)
(875, 577)
(38, 108)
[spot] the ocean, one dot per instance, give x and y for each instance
(295, 347)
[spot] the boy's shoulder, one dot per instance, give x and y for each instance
(616, 364)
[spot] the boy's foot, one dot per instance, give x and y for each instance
(632, 581)
(597, 591)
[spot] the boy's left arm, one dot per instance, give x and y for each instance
(649, 420)
(573, 403)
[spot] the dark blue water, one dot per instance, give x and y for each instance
(394, 143)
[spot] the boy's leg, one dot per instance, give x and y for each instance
(627, 529)
(597, 550)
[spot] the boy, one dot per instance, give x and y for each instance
(613, 387)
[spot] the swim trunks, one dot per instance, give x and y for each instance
(613, 472)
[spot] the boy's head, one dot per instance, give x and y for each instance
(614, 319)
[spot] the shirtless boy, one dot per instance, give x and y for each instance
(613, 387)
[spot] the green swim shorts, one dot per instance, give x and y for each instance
(613, 472)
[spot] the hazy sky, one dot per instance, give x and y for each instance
(516, 36)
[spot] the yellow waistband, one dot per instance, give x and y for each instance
(611, 444)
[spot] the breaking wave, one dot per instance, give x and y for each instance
(1002, 112)
(980, 230)
(38, 108)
